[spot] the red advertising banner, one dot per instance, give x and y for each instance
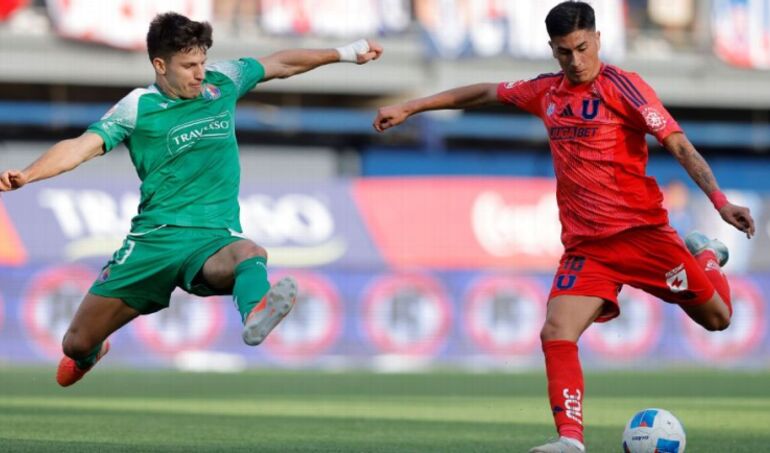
(459, 223)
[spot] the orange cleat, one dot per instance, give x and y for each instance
(69, 372)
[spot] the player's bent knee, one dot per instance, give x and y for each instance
(547, 333)
(713, 321)
(553, 330)
(716, 323)
(253, 250)
(76, 346)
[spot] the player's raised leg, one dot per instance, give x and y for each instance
(711, 255)
(85, 341)
(241, 267)
(567, 317)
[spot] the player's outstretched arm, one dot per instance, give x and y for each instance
(696, 166)
(61, 157)
(456, 98)
(287, 63)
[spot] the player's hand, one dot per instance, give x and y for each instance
(739, 217)
(390, 116)
(12, 180)
(375, 51)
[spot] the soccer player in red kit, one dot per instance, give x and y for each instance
(614, 229)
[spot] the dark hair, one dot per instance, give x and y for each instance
(171, 33)
(567, 17)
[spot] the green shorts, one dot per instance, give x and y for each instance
(151, 264)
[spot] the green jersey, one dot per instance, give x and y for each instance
(184, 150)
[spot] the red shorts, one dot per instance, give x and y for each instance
(653, 259)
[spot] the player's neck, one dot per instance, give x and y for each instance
(165, 89)
(569, 84)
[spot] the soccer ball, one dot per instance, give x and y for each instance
(654, 431)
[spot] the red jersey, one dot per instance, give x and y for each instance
(597, 138)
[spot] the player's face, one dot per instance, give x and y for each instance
(183, 73)
(578, 55)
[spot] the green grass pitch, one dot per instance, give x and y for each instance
(165, 411)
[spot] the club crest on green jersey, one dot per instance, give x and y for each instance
(211, 92)
(104, 274)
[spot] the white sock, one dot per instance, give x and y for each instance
(574, 442)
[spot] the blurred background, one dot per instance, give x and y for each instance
(432, 245)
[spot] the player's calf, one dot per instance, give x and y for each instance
(273, 307)
(712, 254)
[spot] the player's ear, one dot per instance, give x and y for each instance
(553, 49)
(160, 65)
(598, 40)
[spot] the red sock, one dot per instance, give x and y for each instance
(710, 264)
(565, 387)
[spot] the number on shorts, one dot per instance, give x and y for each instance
(124, 252)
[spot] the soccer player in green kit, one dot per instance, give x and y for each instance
(180, 133)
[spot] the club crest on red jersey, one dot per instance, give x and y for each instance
(676, 279)
(654, 119)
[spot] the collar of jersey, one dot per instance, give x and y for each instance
(566, 85)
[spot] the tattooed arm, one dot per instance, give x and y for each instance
(700, 172)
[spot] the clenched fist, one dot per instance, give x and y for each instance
(12, 180)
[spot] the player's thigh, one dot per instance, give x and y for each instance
(143, 272)
(583, 274)
(218, 270)
(659, 263)
(96, 318)
(568, 316)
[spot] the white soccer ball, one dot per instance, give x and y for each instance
(654, 431)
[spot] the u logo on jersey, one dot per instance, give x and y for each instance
(590, 109)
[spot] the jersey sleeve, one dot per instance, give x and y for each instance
(524, 94)
(119, 122)
(245, 73)
(642, 105)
